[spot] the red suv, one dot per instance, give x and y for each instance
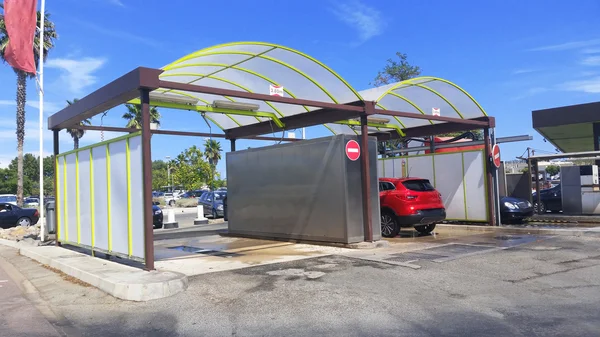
(409, 202)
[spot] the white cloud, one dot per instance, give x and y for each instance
(531, 92)
(568, 45)
(117, 3)
(591, 51)
(523, 71)
(591, 61)
(365, 19)
(77, 74)
(49, 107)
(119, 34)
(591, 86)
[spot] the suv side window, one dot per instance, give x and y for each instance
(386, 186)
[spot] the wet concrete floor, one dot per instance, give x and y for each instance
(212, 253)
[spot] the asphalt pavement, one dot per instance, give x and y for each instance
(511, 285)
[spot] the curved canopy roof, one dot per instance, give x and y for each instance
(255, 66)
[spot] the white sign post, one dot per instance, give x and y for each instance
(276, 90)
(436, 111)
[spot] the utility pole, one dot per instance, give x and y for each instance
(169, 173)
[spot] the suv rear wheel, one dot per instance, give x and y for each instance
(425, 229)
(389, 224)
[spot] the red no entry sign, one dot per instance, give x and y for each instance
(496, 155)
(352, 150)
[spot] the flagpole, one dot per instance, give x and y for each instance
(41, 76)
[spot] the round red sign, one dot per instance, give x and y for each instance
(352, 150)
(496, 155)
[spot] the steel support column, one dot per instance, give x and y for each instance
(366, 174)
(55, 143)
(147, 174)
(597, 139)
(232, 141)
(536, 173)
(489, 177)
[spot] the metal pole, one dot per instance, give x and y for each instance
(232, 141)
(366, 174)
(536, 172)
(147, 174)
(529, 174)
(596, 132)
(55, 134)
(496, 176)
(488, 181)
(41, 122)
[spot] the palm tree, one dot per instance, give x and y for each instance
(212, 153)
(77, 133)
(48, 43)
(134, 116)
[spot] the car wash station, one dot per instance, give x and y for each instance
(317, 190)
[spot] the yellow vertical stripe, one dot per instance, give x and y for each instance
(92, 210)
(77, 196)
(129, 213)
(57, 204)
(108, 198)
(65, 200)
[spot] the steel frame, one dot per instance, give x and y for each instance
(138, 84)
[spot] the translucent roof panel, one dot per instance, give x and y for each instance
(254, 67)
(421, 95)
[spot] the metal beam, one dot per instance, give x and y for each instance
(481, 122)
(566, 155)
(147, 174)
(441, 128)
(365, 172)
(116, 92)
(489, 177)
(513, 139)
(256, 96)
(298, 121)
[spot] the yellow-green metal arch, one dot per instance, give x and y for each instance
(289, 66)
(397, 119)
(276, 46)
(435, 92)
(457, 87)
(391, 93)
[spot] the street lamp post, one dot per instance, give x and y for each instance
(169, 172)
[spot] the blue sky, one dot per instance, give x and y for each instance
(512, 56)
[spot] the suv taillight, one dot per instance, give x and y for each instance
(406, 197)
(36, 213)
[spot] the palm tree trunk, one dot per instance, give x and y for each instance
(75, 143)
(21, 98)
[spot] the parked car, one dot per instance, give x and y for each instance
(515, 209)
(409, 202)
(158, 194)
(32, 202)
(12, 216)
(550, 200)
(193, 194)
(213, 203)
(225, 217)
(8, 198)
(171, 198)
(157, 218)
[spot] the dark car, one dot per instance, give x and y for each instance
(193, 194)
(550, 200)
(213, 203)
(157, 218)
(12, 216)
(515, 209)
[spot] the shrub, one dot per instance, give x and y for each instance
(186, 202)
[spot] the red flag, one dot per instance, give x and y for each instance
(20, 17)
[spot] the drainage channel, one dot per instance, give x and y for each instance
(203, 251)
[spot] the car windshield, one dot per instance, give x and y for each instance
(420, 185)
(8, 198)
(220, 195)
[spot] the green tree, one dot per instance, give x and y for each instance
(48, 43)
(395, 71)
(190, 170)
(552, 169)
(134, 116)
(159, 174)
(212, 153)
(77, 133)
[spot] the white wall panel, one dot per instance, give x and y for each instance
(59, 205)
(85, 200)
(100, 204)
(118, 197)
(475, 187)
(449, 182)
(137, 196)
(420, 166)
(71, 199)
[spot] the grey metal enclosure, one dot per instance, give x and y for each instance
(307, 190)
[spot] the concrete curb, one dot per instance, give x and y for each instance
(120, 281)
(528, 230)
